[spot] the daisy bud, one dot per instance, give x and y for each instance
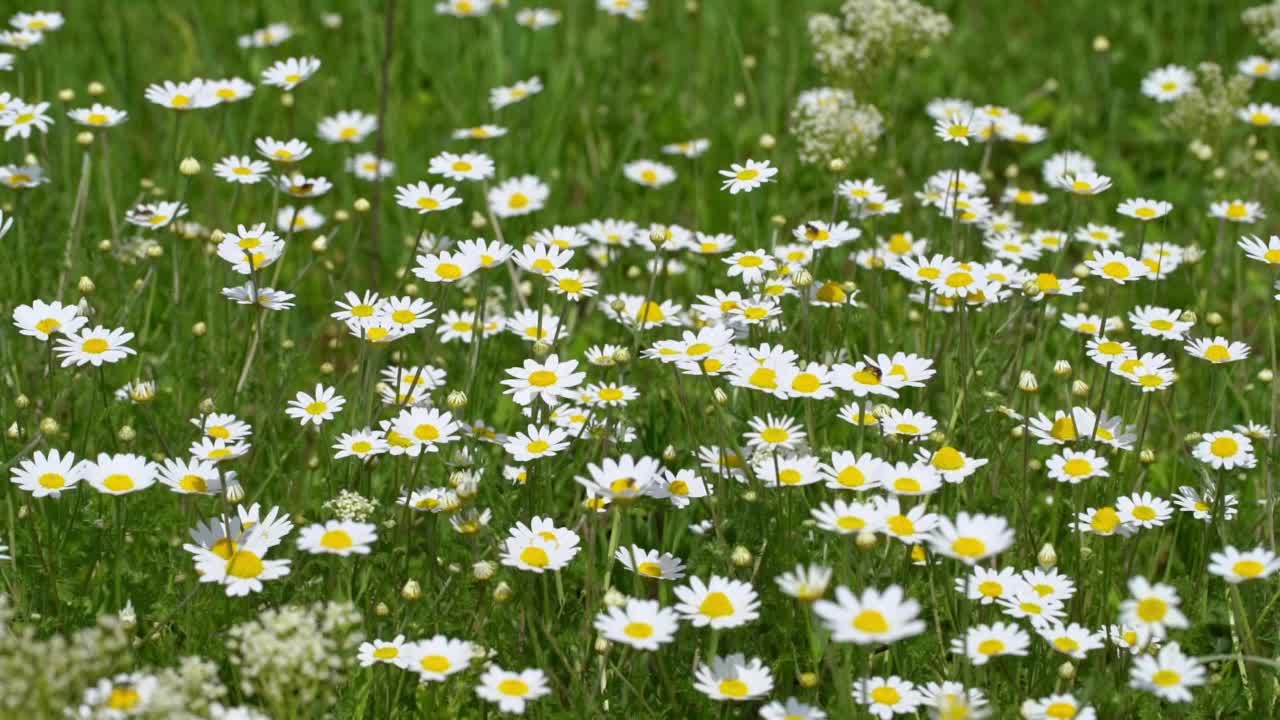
(881, 410)
(66, 95)
(739, 100)
(601, 646)
(104, 245)
(49, 426)
(189, 166)
(84, 138)
(22, 402)
(341, 215)
(483, 570)
(1192, 438)
(741, 557)
(126, 434)
(1265, 375)
(381, 610)
(614, 599)
(1101, 44)
(320, 244)
(1016, 432)
(778, 220)
(1213, 319)
(1034, 464)
(128, 616)
(541, 349)
(30, 159)
(750, 496)
(477, 220)
(199, 329)
(1193, 254)
(503, 592)
(1080, 271)
(360, 205)
(837, 165)
(1047, 557)
(914, 315)
(749, 61)
(13, 432)
(635, 272)
(808, 680)
(618, 306)
(768, 141)
(1146, 456)
(1011, 171)
(85, 285)
(658, 235)
(1080, 388)
(333, 21)
(456, 400)
(286, 100)
(400, 271)
(1261, 156)
(691, 7)
(669, 454)
(866, 540)
(802, 278)
(1067, 671)
(720, 396)
(1062, 368)
(1031, 288)
(1027, 382)
(96, 88)
(1219, 173)
(23, 512)
(411, 591)
(234, 492)
(206, 406)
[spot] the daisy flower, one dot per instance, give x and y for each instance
(874, 617)
(688, 148)
(747, 177)
(439, 657)
(317, 408)
(981, 643)
(547, 380)
(41, 320)
(641, 624)
(119, 474)
(467, 166)
(1143, 209)
(241, 169)
(791, 709)
(1225, 450)
(501, 97)
(886, 696)
(348, 126)
(94, 346)
(1153, 608)
(1116, 267)
(720, 603)
(1240, 211)
(1217, 350)
(98, 116)
(1169, 675)
(518, 196)
(1052, 707)
(649, 173)
(733, 678)
(1143, 510)
(806, 584)
(283, 151)
(971, 538)
(680, 487)
(479, 132)
(1168, 83)
(849, 518)
(288, 74)
(512, 691)
(390, 652)
(1073, 466)
(1235, 566)
(337, 537)
(47, 475)
(536, 442)
(190, 477)
(425, 198)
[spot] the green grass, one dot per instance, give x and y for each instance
(616, 91)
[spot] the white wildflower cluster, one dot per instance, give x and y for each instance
(351, 505)
(829, 123)
(1264, 22)
(871, 35)
(190, 691)
(1212, 105)
(291, 659)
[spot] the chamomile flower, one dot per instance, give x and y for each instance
(688, 148)
(621, 479)
(47, 475)
(425, 198)
(650, 563)
(348, 126)
(241, 169)
(1225, 450)
(228, 90)
(951, 464)
(1116, 267)
(518, 196)
(981, 643)
(649, 173)
(282, 151)
(1154, 608)
(772, 433)
(1259, 67)
(338, 537)
(886, 696)
(1053, 707)
(908, 423)
(1159, 322)
(1143, 209)
(909, 479)
(1200, 505)
(720, 603)
(218, 450)
(362, 444)
(368, 166)
(987, 586)
(874, 617)
(288, 74)
(1168, 83)
(791, 709)
(512, 691)
(747, 176)
(537, 18)
(1217, 350)
(536, 442)
(437, 658)
(806, 584)
(190, 477)
(467, 166)
(98, 116)
(155, 215)
(1169, 675)
(317, 408)
(971, 538)
(1240, 211)
(41, 320)
(389, 652)
(680, 487)
(119, 474)
(641, 624)
(1143, 510)
(733, 677)
(1074, 466)
(94, 346)
(501, 97)
(298, 219)
(1259, 115)
(426, 429)
(547, 380)
(536, 553)
(1103, 521)
(1235, 566)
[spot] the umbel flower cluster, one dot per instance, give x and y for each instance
(525, 372)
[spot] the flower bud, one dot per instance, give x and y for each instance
(1101, 44)
(126, 433)
(768, 141)
(22, 402)
(96, 88)
(837, 165)
(741, 557)
(360, 205)
(778, 220)
(1062, 369)
(49, 426)
(1016, 432)
(456, 400)
(341, 215)
(189, 166)
(1067, 671)
(541, 349)
(234, 492)
(669, 454)
(1047, 556)
(1146, 456)
(411, 591)
(720, 396)
(613, 598)
(199, 329)
(483, 570)
(286, 100)
(808, 680)
(866, 540)
(381, 610)
(320, 244)
(1027, 382)
(1080, 388)
(477, 220)
(1265, 375)
(503, 592)
(13, 432)
(622, 356)
(750, 496)
(85, 285)
(1081, 271)
(802, 278)
(1213, 319)
(84, 137)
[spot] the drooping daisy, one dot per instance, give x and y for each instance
(1200, 504)
(806, 584)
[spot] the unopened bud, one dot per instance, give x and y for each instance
(199, 329)
(49, 426)
(13, 432)
(866, 540)
(1066, 670)
(189, 166)
(1027, 382)
(541, 349)
(1080, 388)
(1146, 456)
(85, 285)
(456, 400)
(1031, 288)
(837, 165)
(360, 205)
(1062, 369)
(1213, 319)
(286, 100)
(96, 88)
(1101, 44)
(669, 453)
(21, 402)
(808, 680)
(601, 646)
(740, 557)
(621, 356)
(477, 220)
(381, 610)
(768, 141)
(126, 433)
(234, 492)
(802, 278)
(1047, 557)
(1265, 375)
(66, 95)
(483, 570)
(720, 396)
(503, 592)
(411, 591)
(614, 599)
(84, 137)
(320, 244)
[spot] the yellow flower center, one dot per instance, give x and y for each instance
(1247, 568)
(118, 482)
(193, 483)
(436, 663)
(1224, 447)
(716, 605)
(969, 547)
(336, 540)
(95, 346)
(513, 687)
(245, 564)
(535, 556)
(638, 630)
(1152, 609)
(871, 621)
(991, 646)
